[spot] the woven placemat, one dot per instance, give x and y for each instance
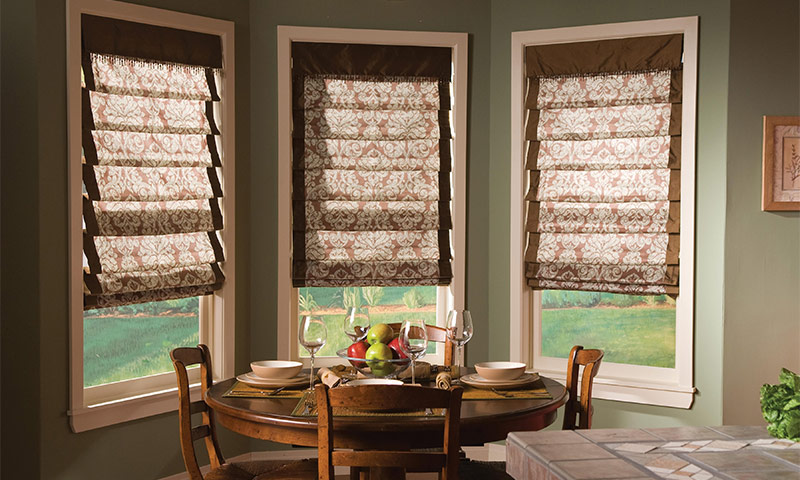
(301, 410)
(535, 391)
(242, 390)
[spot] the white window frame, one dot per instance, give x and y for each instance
(629, 383)
(108, 404)
(451, 297)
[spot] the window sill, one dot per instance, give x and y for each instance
(126, 409)
(633, 391)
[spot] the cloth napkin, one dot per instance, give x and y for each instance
(536, 390)
(242, 390)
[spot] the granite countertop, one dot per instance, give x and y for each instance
(697, 453)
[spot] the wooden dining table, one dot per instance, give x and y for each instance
(482, 421)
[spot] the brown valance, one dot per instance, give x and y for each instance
(661, 52)
(370, 60)
(139, 40)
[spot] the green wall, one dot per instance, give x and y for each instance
(516, 15)
(36, 438)
(762, 249)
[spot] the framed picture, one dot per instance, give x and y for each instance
(781, 163)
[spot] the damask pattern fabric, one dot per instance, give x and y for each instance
(386, 155)
(151, 205)
(151, 184)
(149, 114)
(371, 216)
(604, 154)
(135, 149)
(129, 77)
(604, 160)
(371, 181)
(612, 217)
(122, 218)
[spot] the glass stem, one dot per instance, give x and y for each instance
(413, 379)
(311, 374)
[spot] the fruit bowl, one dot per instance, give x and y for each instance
(390, 368)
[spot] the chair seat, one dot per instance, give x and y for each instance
(265, 470)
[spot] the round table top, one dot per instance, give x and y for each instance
(481, 420)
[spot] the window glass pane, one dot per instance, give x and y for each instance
(385, 304)
(133, 341)
(631, 329)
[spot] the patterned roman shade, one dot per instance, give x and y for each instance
(151, 197)
(371, 165)
(603, 131)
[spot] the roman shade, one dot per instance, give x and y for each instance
(603, 132)
(371, 165)
(151, 201)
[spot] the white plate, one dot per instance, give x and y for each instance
(254, 380)
(374, 381)
(475, 380)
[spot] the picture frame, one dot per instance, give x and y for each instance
(780, 188)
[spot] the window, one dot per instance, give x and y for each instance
(647, 339)
(151, 230)
(389, 297)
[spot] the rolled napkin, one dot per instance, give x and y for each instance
(328, 377)
(443, 380)
(422, 371)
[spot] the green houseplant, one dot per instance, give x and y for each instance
(780, 405)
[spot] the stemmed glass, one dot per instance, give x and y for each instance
(356, 323)
(313, 335)
(413, 341)
(459, 331)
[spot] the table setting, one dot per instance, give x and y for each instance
(382, 355)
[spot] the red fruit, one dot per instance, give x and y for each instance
(358, 350)
(398, 352)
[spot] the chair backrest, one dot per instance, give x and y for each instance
(181, 358)
(435, 334)
(581, 407)
(386, 398)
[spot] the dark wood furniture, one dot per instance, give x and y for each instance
(481, 421)
(435, 334)
(389, 398)
(581, 407)
(220, 470)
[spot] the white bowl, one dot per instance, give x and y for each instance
(275, 369)
(500, 371)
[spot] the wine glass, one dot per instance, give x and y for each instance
(459, 331)
(356, 324)
(413, 341)
(313, 335)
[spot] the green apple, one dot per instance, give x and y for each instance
(380, 333)
(376, 357)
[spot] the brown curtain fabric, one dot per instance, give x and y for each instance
(151, 198)
(139, 40)
(370, 60)
(603, 157)
(371, 165)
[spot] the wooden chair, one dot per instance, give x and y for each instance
(182, 358)
(435, 334)
(388, 398)
(581, 406)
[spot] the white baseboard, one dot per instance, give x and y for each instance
(491, 452)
